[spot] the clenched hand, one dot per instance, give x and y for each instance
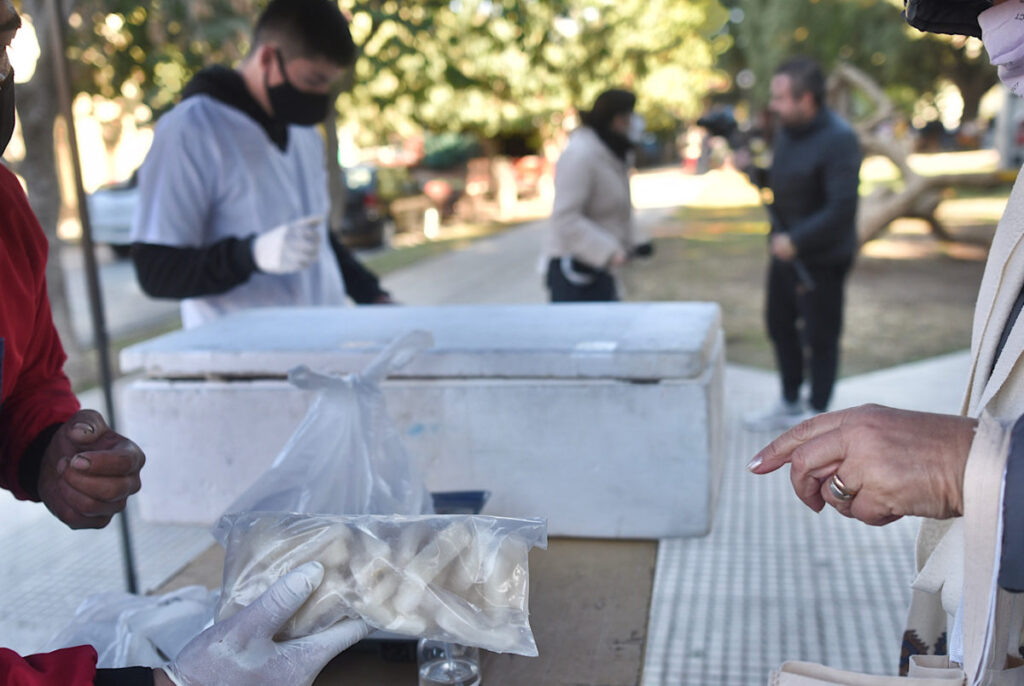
(88, 472)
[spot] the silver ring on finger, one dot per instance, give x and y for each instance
(839, 490)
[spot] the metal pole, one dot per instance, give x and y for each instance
(99, 325)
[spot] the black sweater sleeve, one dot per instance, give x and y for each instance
(166, 271)
(757, 175)
(361, 284)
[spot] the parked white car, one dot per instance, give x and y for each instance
(110, 214)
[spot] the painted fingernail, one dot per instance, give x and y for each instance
(754, 464)
(85, 428)
(80, 463)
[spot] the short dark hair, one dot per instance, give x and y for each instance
(307, 28)
(609, 104)
(805, 76)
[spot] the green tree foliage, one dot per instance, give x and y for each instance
(145, 53)
(502, 66)
(869, 34)
(489, 66)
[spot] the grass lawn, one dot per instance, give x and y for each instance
(409, 250)
(909, 296)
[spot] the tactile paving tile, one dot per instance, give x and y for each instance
(48, 570)
(774, 581)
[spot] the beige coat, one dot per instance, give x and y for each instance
(593, 210)
(939, 585)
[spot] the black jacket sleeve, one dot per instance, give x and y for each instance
(361, 284)
(841, 175)
(1011, 563)
(166, 271)
(757, 175)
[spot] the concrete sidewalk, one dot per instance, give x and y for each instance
(502, 269)
(774, 581)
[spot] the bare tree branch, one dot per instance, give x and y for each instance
(920, 195)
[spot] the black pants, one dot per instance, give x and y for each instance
(806, 319)
(601, 289)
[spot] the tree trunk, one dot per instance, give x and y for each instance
(38, 111)
(919, 199)
(335, 181)
(921, 195)
(973, 80)
(336, 188)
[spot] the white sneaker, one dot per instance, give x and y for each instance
(779, 417)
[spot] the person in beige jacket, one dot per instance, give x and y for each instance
(592, 229)
(877, 464)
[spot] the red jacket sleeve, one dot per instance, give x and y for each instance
(67, 667)
(34, 392)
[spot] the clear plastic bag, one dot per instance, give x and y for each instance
(346, 457)
(131, 630)
(457, 578)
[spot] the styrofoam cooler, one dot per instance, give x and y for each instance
(604, 418)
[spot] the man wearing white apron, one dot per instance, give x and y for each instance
(233, 193)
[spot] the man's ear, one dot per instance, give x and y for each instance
(266, 56)
(807, 102)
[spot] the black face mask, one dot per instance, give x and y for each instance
(957, 17)
(292, 105)
(6, 111)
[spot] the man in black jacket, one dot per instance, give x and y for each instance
(813, 178)
(233, 193)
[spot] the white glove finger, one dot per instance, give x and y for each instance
(310, 221)
(282, 600)
(309, 235)
(305, 256)
(322, 647)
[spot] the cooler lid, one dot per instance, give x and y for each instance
(643, 341)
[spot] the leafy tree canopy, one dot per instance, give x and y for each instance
(870, 34)
(490, 66)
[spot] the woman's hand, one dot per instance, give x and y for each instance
(894, 462)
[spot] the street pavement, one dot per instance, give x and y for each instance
(773, 581)
(504, 269)
(128, 310)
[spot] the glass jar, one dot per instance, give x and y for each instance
(447, 664)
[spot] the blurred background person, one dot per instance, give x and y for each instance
(813, 179)
(592, 230)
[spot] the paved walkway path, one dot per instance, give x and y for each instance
(774, 581)
(503, 269)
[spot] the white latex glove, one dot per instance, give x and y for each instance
(241, 650)
(288, 248)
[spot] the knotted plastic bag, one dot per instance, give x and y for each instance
(346, 457)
